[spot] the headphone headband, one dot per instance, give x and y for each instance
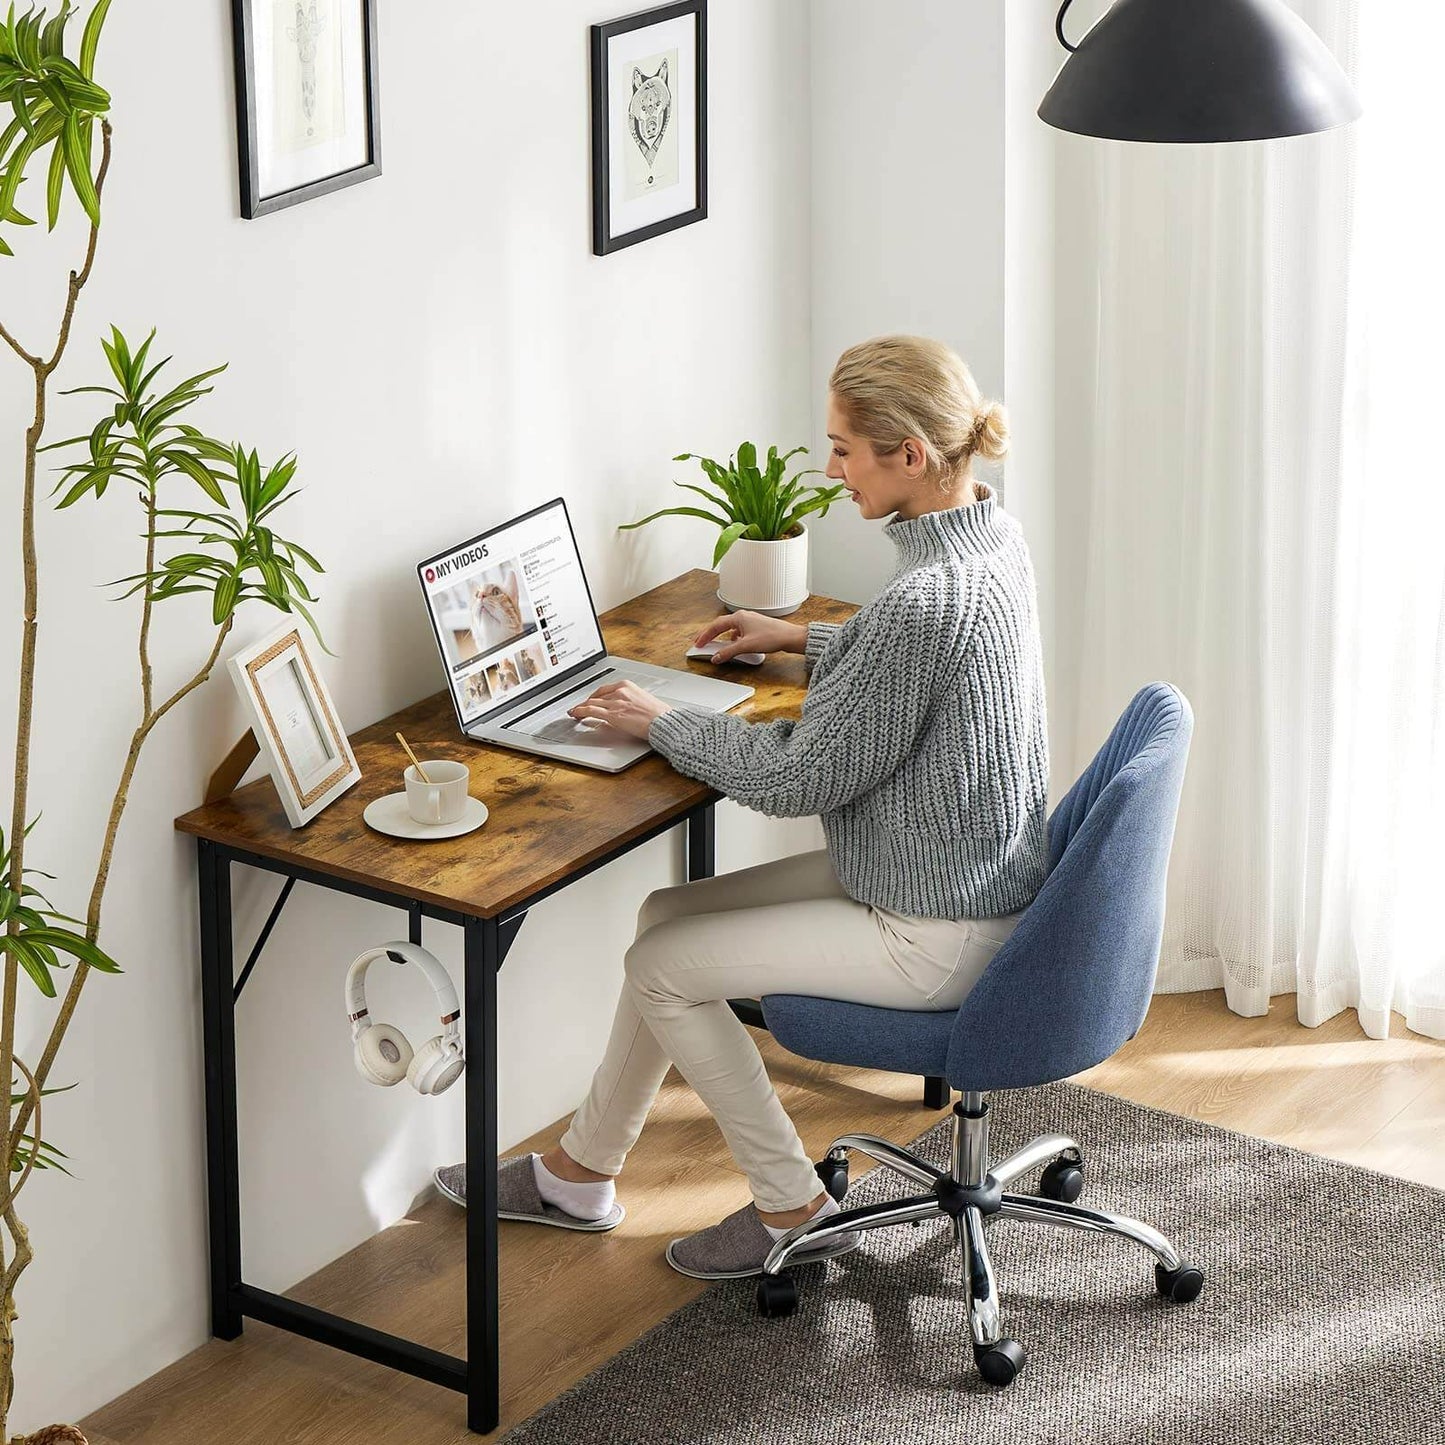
(448, 1006)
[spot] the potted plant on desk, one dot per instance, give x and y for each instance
(762, 547)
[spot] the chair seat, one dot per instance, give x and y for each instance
(862, 1036)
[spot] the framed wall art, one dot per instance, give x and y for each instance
(295, 724)
(649, 124)
(308, 108)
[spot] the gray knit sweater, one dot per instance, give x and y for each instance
(923, 741)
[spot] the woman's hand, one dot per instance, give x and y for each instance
(755, 633)
(624, 706)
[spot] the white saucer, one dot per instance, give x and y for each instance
(766, 611)
(389, 815)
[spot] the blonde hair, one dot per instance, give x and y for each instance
(894, 387)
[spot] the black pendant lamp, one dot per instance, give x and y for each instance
(1192, 71)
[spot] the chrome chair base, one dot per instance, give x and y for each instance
(968, 1194)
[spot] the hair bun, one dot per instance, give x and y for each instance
(990, 432)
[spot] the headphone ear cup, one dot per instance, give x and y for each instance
(383, 1055)
(435, 1068)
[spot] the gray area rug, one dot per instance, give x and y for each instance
(1322, 1320)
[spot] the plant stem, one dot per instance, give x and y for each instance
(17, 1266)
(43, 370)
(33, 1092)
(102, 874)
(25, 707)
(16, 347)
(147, 601)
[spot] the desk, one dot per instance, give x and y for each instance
(549, 825)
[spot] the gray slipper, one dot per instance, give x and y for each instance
(517, 1197)
(737, 1247)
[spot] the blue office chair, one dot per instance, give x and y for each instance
(1070, 986)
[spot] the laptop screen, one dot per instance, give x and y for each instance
(511, 610)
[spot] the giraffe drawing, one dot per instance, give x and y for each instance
(308, 26)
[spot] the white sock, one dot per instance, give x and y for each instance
(581, 1201)
(829, 1206)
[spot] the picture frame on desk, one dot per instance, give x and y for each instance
(295, 723)
(308, 100)
(649, 124)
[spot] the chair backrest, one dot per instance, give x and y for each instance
(1073, 981)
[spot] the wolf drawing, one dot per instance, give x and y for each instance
(650, 110)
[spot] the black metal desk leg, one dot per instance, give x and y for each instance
(702, 843)
(218, 1005)
(482, 958)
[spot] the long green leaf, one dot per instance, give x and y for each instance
(728, 536)
(30, 960)
(674, 512)
(711, 497)
(55, 187)
(77, 163)
(16, 173)
(198, 472)
(228, 590)
(52, 36)
(90, 37)
(63, 940)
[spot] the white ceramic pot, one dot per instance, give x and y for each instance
(767, 577)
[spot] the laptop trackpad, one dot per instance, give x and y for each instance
(577, 734)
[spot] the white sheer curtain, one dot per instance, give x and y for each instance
(1252, 505)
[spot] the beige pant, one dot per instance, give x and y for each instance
(783, 927)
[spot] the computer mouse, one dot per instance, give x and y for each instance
(703, 653)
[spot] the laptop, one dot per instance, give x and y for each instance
(520, 643)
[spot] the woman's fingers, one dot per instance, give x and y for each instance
(715, 628)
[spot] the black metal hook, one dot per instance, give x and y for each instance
(1059, 26)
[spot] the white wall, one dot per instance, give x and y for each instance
(1032, 57)
(442, 350)
(933, 212)
(908, 200)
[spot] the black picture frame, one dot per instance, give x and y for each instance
(603, 241)
(253, 203)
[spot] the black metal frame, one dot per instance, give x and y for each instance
(253, 204)
(485, 945)
(603, 241)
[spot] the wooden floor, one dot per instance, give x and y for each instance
(571, 1301)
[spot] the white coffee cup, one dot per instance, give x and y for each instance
(444, 799)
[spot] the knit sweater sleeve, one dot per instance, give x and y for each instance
(861, 717)
(820, 634)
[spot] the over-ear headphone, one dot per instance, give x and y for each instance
(381, 1051)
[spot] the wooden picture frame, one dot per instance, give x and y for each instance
(308, 99)
(649, 124)
(295, 723)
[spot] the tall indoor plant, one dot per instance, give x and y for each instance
(762, 546)
(224, 546)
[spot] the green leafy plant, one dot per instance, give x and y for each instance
(222, 544)
(56, 103)
(37, 941)
(137, 442)
(748, 500)
(230, 552)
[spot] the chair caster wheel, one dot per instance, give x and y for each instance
(1179, 1285)
(777, 1296)
(1062, 1180)
(999, 1362)
(834, 1174)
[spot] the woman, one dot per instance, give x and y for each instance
(922, 745)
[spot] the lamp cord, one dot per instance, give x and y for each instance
(1059, 26)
